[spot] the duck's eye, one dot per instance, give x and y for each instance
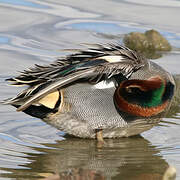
(128, 89)
(133, 90)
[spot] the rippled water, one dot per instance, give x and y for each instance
(34, 31)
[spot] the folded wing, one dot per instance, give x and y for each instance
(97, 62)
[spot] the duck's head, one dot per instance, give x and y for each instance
(143, 98)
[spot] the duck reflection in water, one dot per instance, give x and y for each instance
(78, 159)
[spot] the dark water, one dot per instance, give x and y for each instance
(34, 32)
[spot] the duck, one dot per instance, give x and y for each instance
(102, 91)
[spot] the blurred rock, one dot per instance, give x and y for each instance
(149, 43)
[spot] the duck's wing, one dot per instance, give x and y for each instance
(96, 62)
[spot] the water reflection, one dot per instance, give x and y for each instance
(23, 3)
(82, 159)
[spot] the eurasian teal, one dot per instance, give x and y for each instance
(106, 91)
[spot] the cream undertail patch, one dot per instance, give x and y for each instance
(50, 100)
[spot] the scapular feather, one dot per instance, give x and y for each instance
(91, 64)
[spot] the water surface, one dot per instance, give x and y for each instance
(36, 32)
